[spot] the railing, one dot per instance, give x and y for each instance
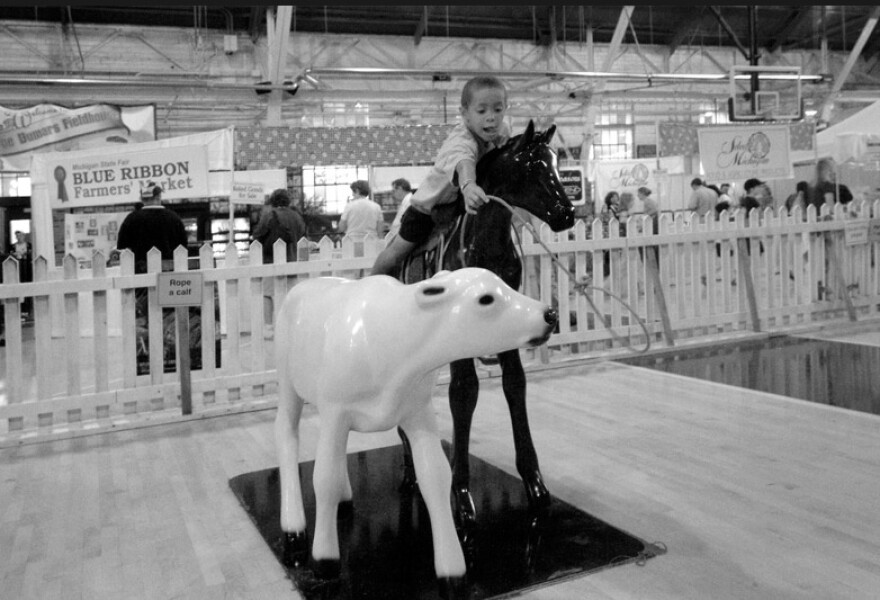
(76, 364)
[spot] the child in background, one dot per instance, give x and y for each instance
(482, 128)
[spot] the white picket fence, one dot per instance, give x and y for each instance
(74, 366)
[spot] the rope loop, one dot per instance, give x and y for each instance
(580, 286)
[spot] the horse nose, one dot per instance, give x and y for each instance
(551, 316)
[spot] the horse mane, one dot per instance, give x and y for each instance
(492, 155)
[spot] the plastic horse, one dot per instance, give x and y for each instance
(523, 172)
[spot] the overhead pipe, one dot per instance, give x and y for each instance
(308, 75)
(555, 75)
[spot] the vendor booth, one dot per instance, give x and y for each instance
(105, 182)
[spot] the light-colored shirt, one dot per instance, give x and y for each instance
(395, 224)
(360, 217)
(703, 200)
(438, 187)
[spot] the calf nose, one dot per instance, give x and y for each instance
(551, 316)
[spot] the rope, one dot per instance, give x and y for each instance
(579, 286)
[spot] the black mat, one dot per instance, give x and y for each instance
(385, 537)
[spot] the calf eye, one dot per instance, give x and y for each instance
(433, 291)
(486, 299)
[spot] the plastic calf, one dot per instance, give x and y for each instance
(366, 353)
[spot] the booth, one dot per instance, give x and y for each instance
(84, 178)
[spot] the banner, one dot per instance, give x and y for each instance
(623, 176)
(745, 151)
(118, 178)
(87, 232)
(52, 128)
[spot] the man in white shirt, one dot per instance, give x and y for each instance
(703, 199)
(361, 215)
(401, 191)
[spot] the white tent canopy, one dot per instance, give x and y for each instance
(849, 139)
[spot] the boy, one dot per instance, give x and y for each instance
(482, 128)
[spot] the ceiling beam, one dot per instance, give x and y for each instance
(422, 27)
(730, 32)
(617, 37)
(798, 17)
(850, 62)
(684, 29)
(255, 22)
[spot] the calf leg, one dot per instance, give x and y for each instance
(434, 477)
(331, 485)
(513, 382)
(464, 387)
(293, 519)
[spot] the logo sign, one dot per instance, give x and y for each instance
(180, 288)
(624, 176)
(118, 178)
(248, 193)
(741, 152)
(855, 233)
(572, 179)
(48, 127)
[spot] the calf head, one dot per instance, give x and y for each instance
(479, 314)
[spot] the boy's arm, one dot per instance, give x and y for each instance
(474, 196)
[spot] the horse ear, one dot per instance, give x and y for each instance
(548, 135)
(526, 137)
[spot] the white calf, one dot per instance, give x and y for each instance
(366, 353)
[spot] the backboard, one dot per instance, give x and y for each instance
(776, 97)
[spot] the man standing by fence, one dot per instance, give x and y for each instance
(152, 226)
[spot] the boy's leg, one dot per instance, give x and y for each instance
(392, 256)
(415, 228)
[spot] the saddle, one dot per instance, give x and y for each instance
(426, 259)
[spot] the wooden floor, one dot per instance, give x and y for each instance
(756, 496)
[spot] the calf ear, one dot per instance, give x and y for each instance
(431, 294)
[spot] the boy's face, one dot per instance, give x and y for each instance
(485, 113)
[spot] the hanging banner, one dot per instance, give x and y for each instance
(745, 151)
(118, 178)
(52, 128)
(623, 176)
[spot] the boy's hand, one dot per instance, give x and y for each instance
(474, 197)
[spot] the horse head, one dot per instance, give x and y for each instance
(524, 173)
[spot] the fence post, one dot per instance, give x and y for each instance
(12, 326)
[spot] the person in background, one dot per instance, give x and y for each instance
(482, 128)
(798, 199)
(612, 208)
(652, 209)
(153, 226)
(703, 199)
(755, 196)
(825, 188)
(361, 215)
(402, 192)
(724, 196)
(23, 252)
(279, 220)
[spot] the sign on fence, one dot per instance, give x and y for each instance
(856, 232)
(180, 289)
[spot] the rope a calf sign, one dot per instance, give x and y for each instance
(181, 290)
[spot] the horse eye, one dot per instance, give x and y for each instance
(486, 299)
(433, 291)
